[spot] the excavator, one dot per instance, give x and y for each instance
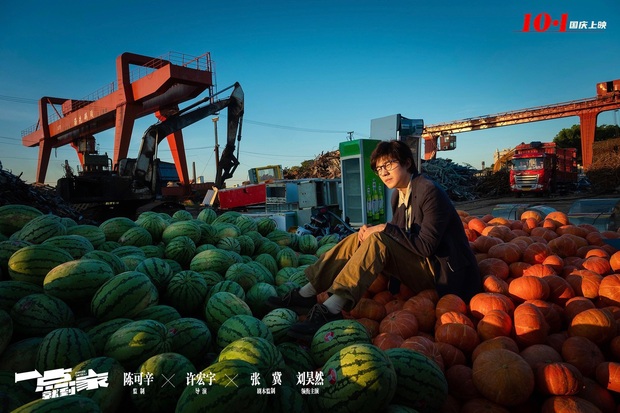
(133, 184)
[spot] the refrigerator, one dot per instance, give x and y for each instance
(363, 193)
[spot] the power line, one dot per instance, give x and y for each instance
(18, 99)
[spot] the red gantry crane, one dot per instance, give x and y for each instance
(144, 85)
(607, 98)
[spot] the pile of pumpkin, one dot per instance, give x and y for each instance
(543, 334)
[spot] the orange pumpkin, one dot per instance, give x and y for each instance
(555, 261)
(536, 253)
(387, 340)
(461, 336)
(450, 302)
(383, 297)
(559, 217)
(493, 284)
(424, 311)
(609, 290)
(540, 270)
(507, 252)
(575, 306)
(379, 284)
(477, 225)
(568, 404)
(372, 326)
(495, 323)
(481, 303)
(564, 246)
(585, 283)
(368, 308)
(608, 375)
(454, 317)
(425, 346)
(494, 266)
(528, 288)
(494, 343)
(595, 324)
(450, 354)
(483, 243)
(593, 251)
(558, 378)
(460, 382)
(431, 294)
(503, 377)
(560, 291)
(614, 261)
(545, 233)
(530, 325)
(482, 405)
(597, 395)
(572, 229)
(553, 314)
(583, 354)
(599, 265)
(535, 215)
(400, 322)
(394, 305)
(538, 354)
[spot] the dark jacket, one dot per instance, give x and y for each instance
(437, 233)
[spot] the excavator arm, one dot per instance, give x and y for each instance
(187, 116)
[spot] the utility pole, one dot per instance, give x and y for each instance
(217, 145)
(350, 137)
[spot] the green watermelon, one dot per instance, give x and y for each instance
(76, 245)
(110, 396)
(211, 260)
(136, 236)
(32, 263)
(240, 326)
(266, 225)
(307, 259)
(334, 336)
(227, 286)
(246, 245)
(230, 391)
(20, 356)
(158, 270)
(113, 228)
(229, 244)
(246, 224)
(8, 248)
(182, 215)
(187, 228)
(123, 296)
(286, 257)
(117, 265)
(6, 330)
(135, 342)
(154, 224)
(181, 249)
(360, 369)
(169, 373)
(77, 281)
(190, 337)
(262, 273)
(324, 248)
(308, 244)
(258, 351)
(228, 217)
(100, 333)
(207, 215)
(269, 261)
(257, 296)
(109, 246)
(421, 383)
(225, 229)
(154, 251)
(296, 356)
(91, 232)
(223, 305)
(125, 250)
(279, 321)
(39, 314)
(187, 292)
(242, 274)
(280, 237)
(329, 239)
(12, 291)
(267, 247)
(41, 228)
(14, 217)
(64, 347)
(160, 312)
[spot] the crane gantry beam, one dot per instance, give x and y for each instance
(586, 109)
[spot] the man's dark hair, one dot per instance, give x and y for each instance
(393, 150)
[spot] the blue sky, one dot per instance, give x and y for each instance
(312, 70)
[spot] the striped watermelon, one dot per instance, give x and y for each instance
(324, 248)
(208, 233)
(14, 217)
(294, 241)
(41, 228)
(228, 217)
(286, 257)
(6, 330)
(229, 244)
(109, 246)
(158, 270)
(284, 274)
(260, 352)
(267, 247)
(123, 296)
(421, 383)
(8, 248)
(110, 397)
(22, 392)
(73, 403)
(246, 224)
(135, 342)
(240, 326)
(136, 236)
(91, 232)
(12, 291)
(211, 277)
(20, 355)
(77, 281)
(117, 265)
(223, 305)
(132, 261)
(262, 273)
(154, 224)
(176, 267)
(100, 333)
(187, 292)
(299, 277)
(205, 247)
(160, 312)
(223, 396)
(308, 244)
(257, 296)
(68, 222)
(125, 250)
(187, 228)
(334, 336)
(246, 245)
(307, 259)
(64, 347)
(265, 225)
(280, 237)
(33, 262)
(235, 257)
(113, 228)
(211, 260)
(296, 356)
(286, 287)
(169, 372)
(190, 337)
(288, 398)
(279, 321)
(269, 261)
(225, 229)
(242, 274)
(361, 369)
(182, 215)
(207, 215)
(329, 239)
(38, 314)
(256, 237)
(181, 249)
(227, 286)
(154, 251)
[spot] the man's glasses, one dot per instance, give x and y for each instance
(387, 167)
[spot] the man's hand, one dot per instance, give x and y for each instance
(365, 231)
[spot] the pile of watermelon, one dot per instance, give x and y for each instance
(181, 301)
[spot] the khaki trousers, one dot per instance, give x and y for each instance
(349, 268)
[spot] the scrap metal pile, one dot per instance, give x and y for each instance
(325, 166)
(43, 197)
(604, 172)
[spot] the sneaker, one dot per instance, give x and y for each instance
(318, 316)
(294, 301)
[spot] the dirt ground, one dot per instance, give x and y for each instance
(562, 203)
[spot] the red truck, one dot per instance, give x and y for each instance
(543, 167)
